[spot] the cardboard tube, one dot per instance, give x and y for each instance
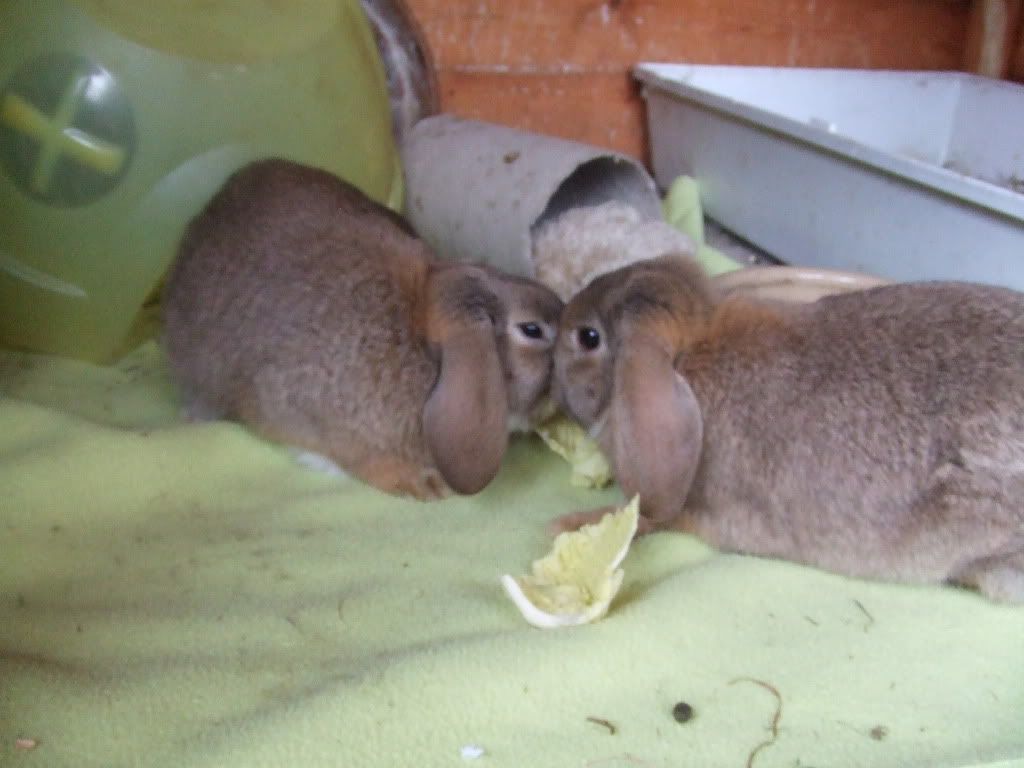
(477, 191)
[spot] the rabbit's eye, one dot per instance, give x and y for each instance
(531, 330)
(589, 338)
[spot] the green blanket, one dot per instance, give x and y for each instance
(186, 595)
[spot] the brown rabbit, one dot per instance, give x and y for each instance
(302, 308)
(877, 434)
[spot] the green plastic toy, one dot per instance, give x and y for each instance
(119, 119)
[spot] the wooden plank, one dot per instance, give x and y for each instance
(596, 108)
(1017, 59)
(992, 33)
(567, 35)
(561, 66)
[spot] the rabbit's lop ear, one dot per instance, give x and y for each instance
(465, 420)
(657, 429)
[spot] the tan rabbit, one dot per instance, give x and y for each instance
(305, 310)
(877, 434)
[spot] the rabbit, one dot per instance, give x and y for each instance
(314, 315)
(581, 243)
(877, 434)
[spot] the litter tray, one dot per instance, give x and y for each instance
(904, 175)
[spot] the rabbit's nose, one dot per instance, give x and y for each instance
(555, 392)
(575, 403)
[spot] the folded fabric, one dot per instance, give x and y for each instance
(186, 595)
(683, 210)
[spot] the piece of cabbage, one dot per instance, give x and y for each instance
(590, 469)
(575, 583)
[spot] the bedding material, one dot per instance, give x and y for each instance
(177, 594)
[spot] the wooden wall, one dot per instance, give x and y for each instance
(562, 66)
(995, 39)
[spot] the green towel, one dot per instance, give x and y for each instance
(185, 595)
(683, 210)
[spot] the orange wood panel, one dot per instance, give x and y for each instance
(562, 66)
(597, 108)
(1017, 60)
(992, 32)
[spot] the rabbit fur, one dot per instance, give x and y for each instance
(302, 308)
(878, 433)
(582, 243)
